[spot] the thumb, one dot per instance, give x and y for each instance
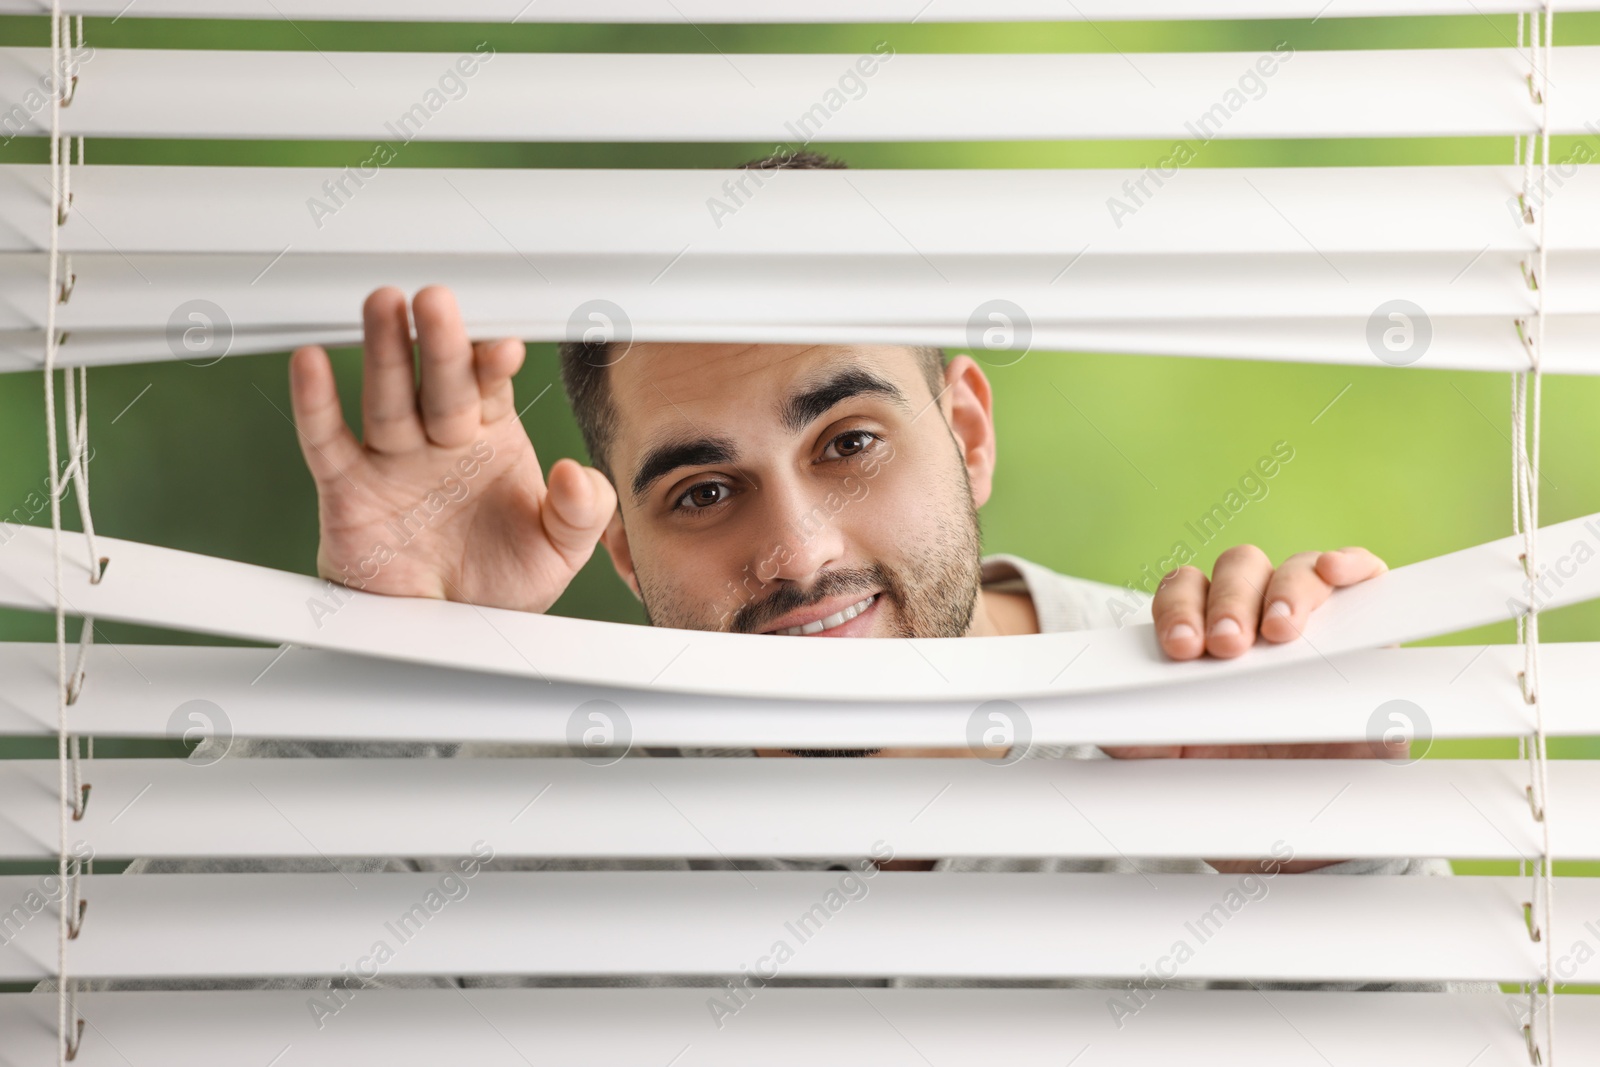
(578, 504)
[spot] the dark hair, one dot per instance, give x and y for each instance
(583, 363)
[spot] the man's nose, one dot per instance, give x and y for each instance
(805, 538)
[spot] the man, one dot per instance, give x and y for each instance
(790, 490)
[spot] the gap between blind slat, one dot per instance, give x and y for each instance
(734, 11)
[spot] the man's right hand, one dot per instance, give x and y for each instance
(508, 539)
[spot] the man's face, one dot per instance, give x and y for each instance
(794, 490)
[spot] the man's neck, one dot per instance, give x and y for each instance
(1003, 614)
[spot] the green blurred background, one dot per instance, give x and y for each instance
(1410, 463)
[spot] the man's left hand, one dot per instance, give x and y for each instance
(1222, 616)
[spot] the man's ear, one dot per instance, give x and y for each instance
(615, 538)
(968, 408)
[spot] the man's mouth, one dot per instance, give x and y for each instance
(830, 621)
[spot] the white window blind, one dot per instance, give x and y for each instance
(1279, 263)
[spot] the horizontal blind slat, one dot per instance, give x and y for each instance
(792, 1027)
(734, 297)
(711, 808)
(1465, 691)
(1481, 343)
(131, 210)
(785, 99)
(186, 591)
(978, 925)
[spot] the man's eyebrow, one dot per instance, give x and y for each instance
(796, 412)
(665, 458)
(799, 410)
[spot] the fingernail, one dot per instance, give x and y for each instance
(1225, 627)
(1279, 609)
(1181, 632)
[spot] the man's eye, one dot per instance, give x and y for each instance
(849, 444)
(704, 495)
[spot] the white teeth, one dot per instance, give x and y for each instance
(838, 618)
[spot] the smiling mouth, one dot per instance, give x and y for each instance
(828, 622)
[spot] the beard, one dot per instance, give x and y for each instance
(933, 594)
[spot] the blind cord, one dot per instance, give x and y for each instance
(58, 290)
(1541, 1050)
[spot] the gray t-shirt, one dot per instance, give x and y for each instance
(1061, 603)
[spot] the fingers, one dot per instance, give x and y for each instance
(463, 385)
(1233, 610)
(577, 507)
(497, 362)
(1296, 590)
(1179, 612)
(1347, 566)
(1246, 596)
(329, 447)
(451, 408)
(389, 420)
